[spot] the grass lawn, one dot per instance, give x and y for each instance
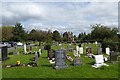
(45, 69)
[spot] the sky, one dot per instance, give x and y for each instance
(73, 16)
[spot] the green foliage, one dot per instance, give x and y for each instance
(7, 33)
(101, 32)
(56, 36)
(18, 33)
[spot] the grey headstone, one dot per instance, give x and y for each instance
(36, 58)
(99, 51)
(60, 59)
(77, 61)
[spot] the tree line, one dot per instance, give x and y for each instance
(99, 32)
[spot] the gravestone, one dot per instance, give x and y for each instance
(16, 52)
(89, 52)
(77, 48)
(24, 48)
(99, 51)
(69, 58)
(3, 52)
(71, 49)
(113, 57)
(51, 54)
(39, 51)
(81, 50)
(60, 59)
(36, 58)
(77, 61)
(75, 53)
(108, 51)
(99, 61)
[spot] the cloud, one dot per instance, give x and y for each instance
(63, 16)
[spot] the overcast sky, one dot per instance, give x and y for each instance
(62, 16)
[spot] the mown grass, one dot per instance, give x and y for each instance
(45, 69)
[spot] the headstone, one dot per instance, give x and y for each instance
(36, 58)
(89, 52)
(113, 57)
(69, 58)
(16, 51)
(75, 53)
(24, 48)
(51, 54)
(77, 48)
(96, 42)
(71, 49)
(99, 61)
(40, 51)
(77, 61)
(60, 59)
(99, 51)
(108, 51)
(81, 50)
(3, 52)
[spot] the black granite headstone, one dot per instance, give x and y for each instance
(60, 59)
(3, 52)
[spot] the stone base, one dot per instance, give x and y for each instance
(60, 67)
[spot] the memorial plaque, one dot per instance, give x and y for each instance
(108, 51)
(81, 50)
(113, 56)
(60, 59)
(99, 51)
(77, 61)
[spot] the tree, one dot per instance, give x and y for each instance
(7, 33)
(56, 36)
(18, 33)
(99, 32)
(65, 36)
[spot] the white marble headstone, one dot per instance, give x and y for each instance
(25, 49)
(77, 48)
(81, 50)
(40, 51)
(108, 51)
(99, 59)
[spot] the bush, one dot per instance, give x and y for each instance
(47, 47)
(115, 46)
